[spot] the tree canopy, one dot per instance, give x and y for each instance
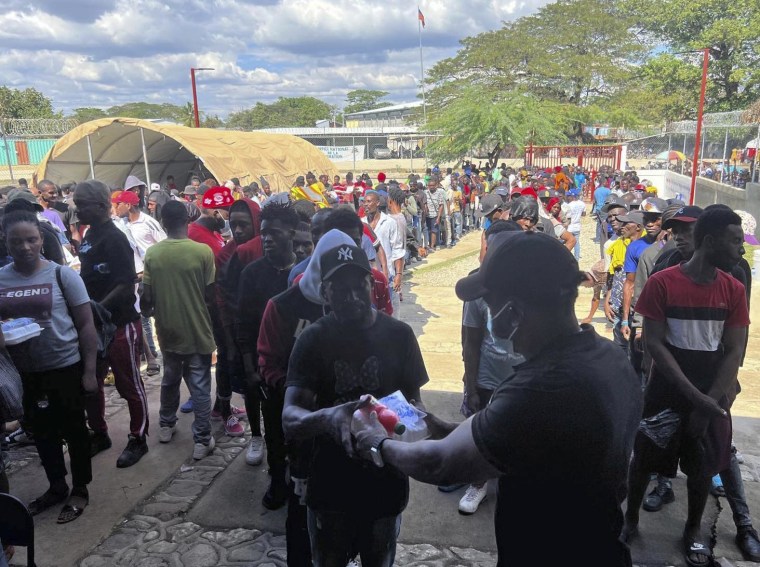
(478, 120)
(27, 103)
(166, 111)
(364, 99)
(622, 62)
(302, 111)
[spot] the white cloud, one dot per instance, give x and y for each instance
(107, 52)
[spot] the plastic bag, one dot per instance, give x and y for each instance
(410, 416)
(661, 427)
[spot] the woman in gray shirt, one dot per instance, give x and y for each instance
(58, 367)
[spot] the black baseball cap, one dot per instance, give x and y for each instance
(341, 257)
(530, 265)
(684, 214)
(489, 203)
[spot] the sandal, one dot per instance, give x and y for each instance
(691, 548)
(153, 369)
(50, 498)
(71, 512)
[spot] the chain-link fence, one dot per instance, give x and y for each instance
(25, 142)
(728, 148)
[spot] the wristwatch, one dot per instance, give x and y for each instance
(377, 457)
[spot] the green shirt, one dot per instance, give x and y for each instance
(178, 272)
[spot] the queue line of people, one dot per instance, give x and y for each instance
(305, 339)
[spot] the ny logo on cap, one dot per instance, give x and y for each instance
(345, 254)
(679, 211)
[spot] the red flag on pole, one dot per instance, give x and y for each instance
(421, 17)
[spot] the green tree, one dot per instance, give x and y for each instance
(147, 110)
(570, 52)
(292, 112)
(364, 99)
(479, 121)
(731, 31)
(86, 114)
(27, 103)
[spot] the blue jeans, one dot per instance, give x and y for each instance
(432, 227)
(196, 370)
(456, 220)
(577, 248)
(148, 333)
(336, 538)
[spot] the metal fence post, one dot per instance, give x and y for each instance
(7, 150)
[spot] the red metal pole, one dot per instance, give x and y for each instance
(195, 99)
(700, 116)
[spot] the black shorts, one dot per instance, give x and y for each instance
(706, 456)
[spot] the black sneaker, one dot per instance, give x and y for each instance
(661, 495)
(134, 451)
(748, 542)
(99, 442)
(276, 495)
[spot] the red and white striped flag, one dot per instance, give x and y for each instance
(421, 16)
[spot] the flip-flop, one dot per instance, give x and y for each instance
(153, 369)
(71, 512)
(39, 505)
(691, 547)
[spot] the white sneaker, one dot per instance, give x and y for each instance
(200, 450)
(254, 455)
(472, 499)
(166, 433)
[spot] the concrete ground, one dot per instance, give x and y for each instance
(139, 516)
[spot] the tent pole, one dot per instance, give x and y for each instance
(353, 151)
(89, 154)
(145, 159)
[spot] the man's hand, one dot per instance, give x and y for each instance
(89, 383)
(625, 330)
(473, 401)
(609, 313)
(704, 410)
(251, 375)
(397, 283)
(367, 431)
(338, 422)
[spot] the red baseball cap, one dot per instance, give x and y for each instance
(217, 198)
(127, 197)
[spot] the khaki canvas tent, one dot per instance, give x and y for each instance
(110, 149)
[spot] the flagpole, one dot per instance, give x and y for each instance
(422, 70)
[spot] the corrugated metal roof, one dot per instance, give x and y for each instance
(392, 108)
(330, 132)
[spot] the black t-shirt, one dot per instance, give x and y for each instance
(259, 282)
(561, 430)
(108, 261)
(339, 365)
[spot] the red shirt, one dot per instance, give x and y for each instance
(200, 233)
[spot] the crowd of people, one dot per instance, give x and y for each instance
(293, 298)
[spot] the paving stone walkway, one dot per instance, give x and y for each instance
(156, 534)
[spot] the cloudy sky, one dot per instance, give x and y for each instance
(107, 52)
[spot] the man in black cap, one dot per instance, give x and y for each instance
(352, 507)
(557, 435)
